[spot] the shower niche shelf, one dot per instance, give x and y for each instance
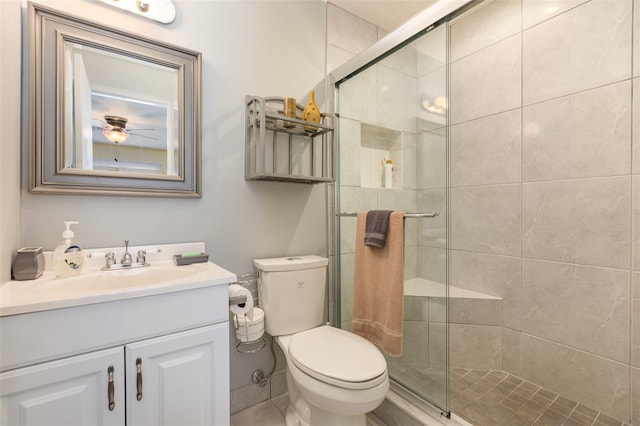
(376, 145)
(286, 149)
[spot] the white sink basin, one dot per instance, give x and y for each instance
(126, 278)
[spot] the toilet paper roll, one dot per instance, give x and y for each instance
(236, 290)
(250, 329)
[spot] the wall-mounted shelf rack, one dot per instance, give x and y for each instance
(286, 149)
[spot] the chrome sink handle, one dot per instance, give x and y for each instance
(141, 256)
(126, 259)
(110, 259)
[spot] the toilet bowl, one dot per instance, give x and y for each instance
(338, 377)
(334, 377)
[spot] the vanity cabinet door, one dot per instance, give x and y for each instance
(80, 390)
(179, 379)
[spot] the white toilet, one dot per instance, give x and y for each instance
(334, 377)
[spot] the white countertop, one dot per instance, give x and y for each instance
(95, 286)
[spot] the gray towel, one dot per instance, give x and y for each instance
(375, 232)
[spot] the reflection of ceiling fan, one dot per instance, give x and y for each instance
(115, 129)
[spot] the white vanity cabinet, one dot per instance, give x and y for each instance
(158, 356)
(170, 380)
(70, 391)
(180, 379)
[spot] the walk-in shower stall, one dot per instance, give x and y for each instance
(509, 127)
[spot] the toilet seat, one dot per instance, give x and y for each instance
(338, 357)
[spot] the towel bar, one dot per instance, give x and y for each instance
(422, 214)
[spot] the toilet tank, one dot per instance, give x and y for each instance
(292, 291)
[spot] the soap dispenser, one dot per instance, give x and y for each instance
(67, 257)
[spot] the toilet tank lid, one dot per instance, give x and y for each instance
(291, 263)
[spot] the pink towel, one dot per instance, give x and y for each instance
(378, 287)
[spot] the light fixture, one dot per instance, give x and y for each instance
(438, 106)
(159, 10)
(114, 130)
(551, 9)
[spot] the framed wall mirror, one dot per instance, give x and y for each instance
(110, 112)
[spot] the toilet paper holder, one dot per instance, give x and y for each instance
(244, 346)
(250, 347)
(237, 300)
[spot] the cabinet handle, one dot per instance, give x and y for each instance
(139, 379)
(110, 389)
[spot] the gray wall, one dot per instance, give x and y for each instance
(10, 237)
(265, 48)
(543, 191)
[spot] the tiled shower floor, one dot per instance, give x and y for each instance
(492, 398)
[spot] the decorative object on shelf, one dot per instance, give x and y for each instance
(290, 109)
(311, 113)
(388, 173)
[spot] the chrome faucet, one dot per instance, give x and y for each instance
(127, 260)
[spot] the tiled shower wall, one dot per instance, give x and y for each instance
(545, 192)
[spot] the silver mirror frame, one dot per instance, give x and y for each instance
(47, 31)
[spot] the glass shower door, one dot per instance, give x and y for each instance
(395, 108)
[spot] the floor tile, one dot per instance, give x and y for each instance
(264, 414)
(482, 397)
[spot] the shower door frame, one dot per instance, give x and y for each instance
(433, 16)
(436, 15)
